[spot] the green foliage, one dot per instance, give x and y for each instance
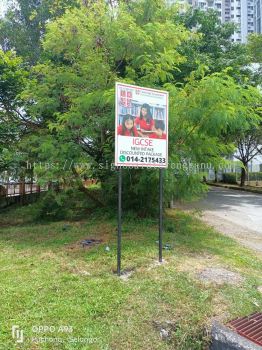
(68, 102)
(52, 206)
(248, 140)
(24, 24)
(229, 178)
(255, 176)
(211, 46)
(86, 51)
(12, 78)
(255, 47)
(13, 123)
(204, 111)
(68, 204)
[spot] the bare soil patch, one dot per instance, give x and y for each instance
(219, 276)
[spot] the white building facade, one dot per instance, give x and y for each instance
(258, 16)
(246, 14)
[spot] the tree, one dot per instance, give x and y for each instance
(248, 147)
(211, 46)
(12, 120)
(255, 47)
(68, 102)
(211, 115)
(16, 125)
(24, 24)
(86, 51)
(249, 138)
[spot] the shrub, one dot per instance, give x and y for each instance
(229, 178)
(68, 204)
(255, 176)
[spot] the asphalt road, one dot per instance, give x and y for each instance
(235, 213)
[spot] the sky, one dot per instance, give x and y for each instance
(2, 7)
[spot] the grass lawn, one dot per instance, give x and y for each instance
(49, 279)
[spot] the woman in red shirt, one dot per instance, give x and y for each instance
(144, 122)
(127, 127)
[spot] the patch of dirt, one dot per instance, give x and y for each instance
(219, 276)
(80, 246)
(207, 268)
(102, 231)
(156, 263)
(78, 268)
(126, 274)
(195, 263)
(80, 272)
(90, 242)
(165, 328)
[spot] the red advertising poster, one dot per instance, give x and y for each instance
(141, 127)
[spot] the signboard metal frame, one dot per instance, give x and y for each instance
(119, 166)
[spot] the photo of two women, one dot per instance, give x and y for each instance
(142, 125)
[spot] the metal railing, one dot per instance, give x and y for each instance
(8, 189)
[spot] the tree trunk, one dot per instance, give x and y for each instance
(216, 179)
(22, 190)
(243, 176)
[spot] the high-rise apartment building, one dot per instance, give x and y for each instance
(246, 14)
(242, 13)
(258, 16)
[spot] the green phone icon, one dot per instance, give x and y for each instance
(122, 158)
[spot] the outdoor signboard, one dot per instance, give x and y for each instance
(141, 127)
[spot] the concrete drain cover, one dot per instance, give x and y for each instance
(249, 327)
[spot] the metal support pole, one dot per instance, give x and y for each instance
(119, 231)
(160, 239)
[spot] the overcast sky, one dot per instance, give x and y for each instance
(2, 7)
